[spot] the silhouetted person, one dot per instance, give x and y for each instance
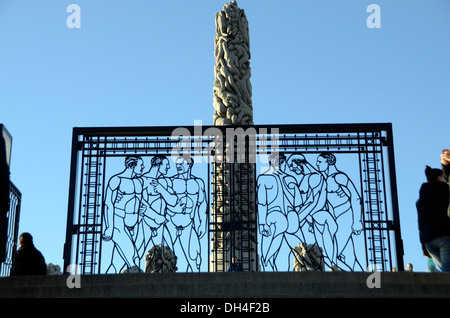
(434, 223)
(28, 260)
(235, 266)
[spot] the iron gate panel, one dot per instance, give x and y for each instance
(169, 186)
(12, 229)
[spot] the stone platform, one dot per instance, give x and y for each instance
(231, 285)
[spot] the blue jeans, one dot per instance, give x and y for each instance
(439, 250)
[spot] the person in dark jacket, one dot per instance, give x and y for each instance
(434, 223)
(28, 260)
(235, 266)
(445, 161)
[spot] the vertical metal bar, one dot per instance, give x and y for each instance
(80, 206)
(102, 208)
(371, 235)
(255, 221)
(71, 203)
(386, 209)
(361, 186)
(208, 207)
(394, 197)
(231, 222)
(378, 239)
(84, 208)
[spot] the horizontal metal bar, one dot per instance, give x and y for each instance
(285, 128)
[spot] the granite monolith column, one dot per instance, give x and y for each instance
(233, 215)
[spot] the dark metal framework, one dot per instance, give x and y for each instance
(210, 217)
(15, 197)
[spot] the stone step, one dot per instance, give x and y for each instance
(232, 285)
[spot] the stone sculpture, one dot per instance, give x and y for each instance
(308, 257)
(132, 270)
(233, 208)
(232, 88)
(160, 259)
(53, 269)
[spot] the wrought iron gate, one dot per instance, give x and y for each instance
(12, 229)
(291, 186)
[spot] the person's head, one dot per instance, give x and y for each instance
(324, 160)
(134, 163)
(25, 239)
(276, 160)
(161, 162)
(433, 174)
(184, 163)
(296, 164)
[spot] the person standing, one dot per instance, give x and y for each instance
(235, 265)
(28, 260)
(434, 222)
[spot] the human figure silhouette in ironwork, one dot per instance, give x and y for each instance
(158, 195)
(278, 200)
(123, 215)
(345, 206)
(188, 217)
(317, 223)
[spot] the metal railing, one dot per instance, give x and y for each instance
(265, 195)
(12, 219)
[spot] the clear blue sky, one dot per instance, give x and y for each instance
(150, 63)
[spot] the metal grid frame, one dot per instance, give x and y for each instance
(373, 143)
(15, 197)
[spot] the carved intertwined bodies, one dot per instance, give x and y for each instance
(232, 88)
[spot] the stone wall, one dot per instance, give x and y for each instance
(232, 285)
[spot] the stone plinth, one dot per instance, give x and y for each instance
(235, 285)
